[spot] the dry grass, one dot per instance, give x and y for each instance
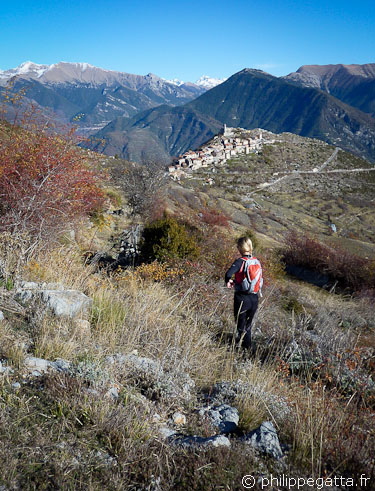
(162, 323)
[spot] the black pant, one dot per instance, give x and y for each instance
(245, 306)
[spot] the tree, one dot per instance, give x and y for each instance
(46, 182)
(144, 188)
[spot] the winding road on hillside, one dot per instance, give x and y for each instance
(318, 170)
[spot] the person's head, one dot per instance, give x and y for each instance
(244, 245)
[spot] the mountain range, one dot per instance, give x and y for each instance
(95, 95)
(146, 117)
(249, 99)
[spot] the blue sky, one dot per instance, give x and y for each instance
(180, 39)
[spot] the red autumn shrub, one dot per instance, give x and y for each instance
(348, 269)
(214, 217)
(45, 181)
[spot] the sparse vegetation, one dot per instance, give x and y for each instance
(96, 424)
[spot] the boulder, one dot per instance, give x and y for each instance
(65, 303)
(265, 440)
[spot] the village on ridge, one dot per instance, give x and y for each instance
(218, 150)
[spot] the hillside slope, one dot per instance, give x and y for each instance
(156, 134)
(296, 183)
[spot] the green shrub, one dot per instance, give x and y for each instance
(166, 238)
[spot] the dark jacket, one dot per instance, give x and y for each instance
(236, 266)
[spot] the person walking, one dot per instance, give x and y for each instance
(247, 283)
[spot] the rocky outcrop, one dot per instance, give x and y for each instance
(55, 298)
(228, 392)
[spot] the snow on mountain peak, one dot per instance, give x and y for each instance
(26, 68)
(209, 82)
(175, 81)
(29, 66)
(204, 81)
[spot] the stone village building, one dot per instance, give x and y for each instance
(220, 149)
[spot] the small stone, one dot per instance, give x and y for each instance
(16, 385)
(39, 364)
(179, 419)
(1, 316)
(156, 418)
(112, 393)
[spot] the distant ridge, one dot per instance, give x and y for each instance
(96, 95)
(255, 99)
(352, 84)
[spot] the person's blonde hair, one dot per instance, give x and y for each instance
(244, 245)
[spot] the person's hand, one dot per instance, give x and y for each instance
(230, 284)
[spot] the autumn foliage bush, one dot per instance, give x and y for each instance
(214, 217)
(45, 180)
(349, 270)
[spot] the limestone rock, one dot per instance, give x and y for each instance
(179, 419)
(228, 392)
(61, 365)
(66, 303)
(197, 442)
(37, 364)
(265, 440)
(40, 365)
(225, 417)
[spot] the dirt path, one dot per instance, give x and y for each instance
(265, 185)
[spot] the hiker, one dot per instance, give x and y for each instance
(247, 283)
